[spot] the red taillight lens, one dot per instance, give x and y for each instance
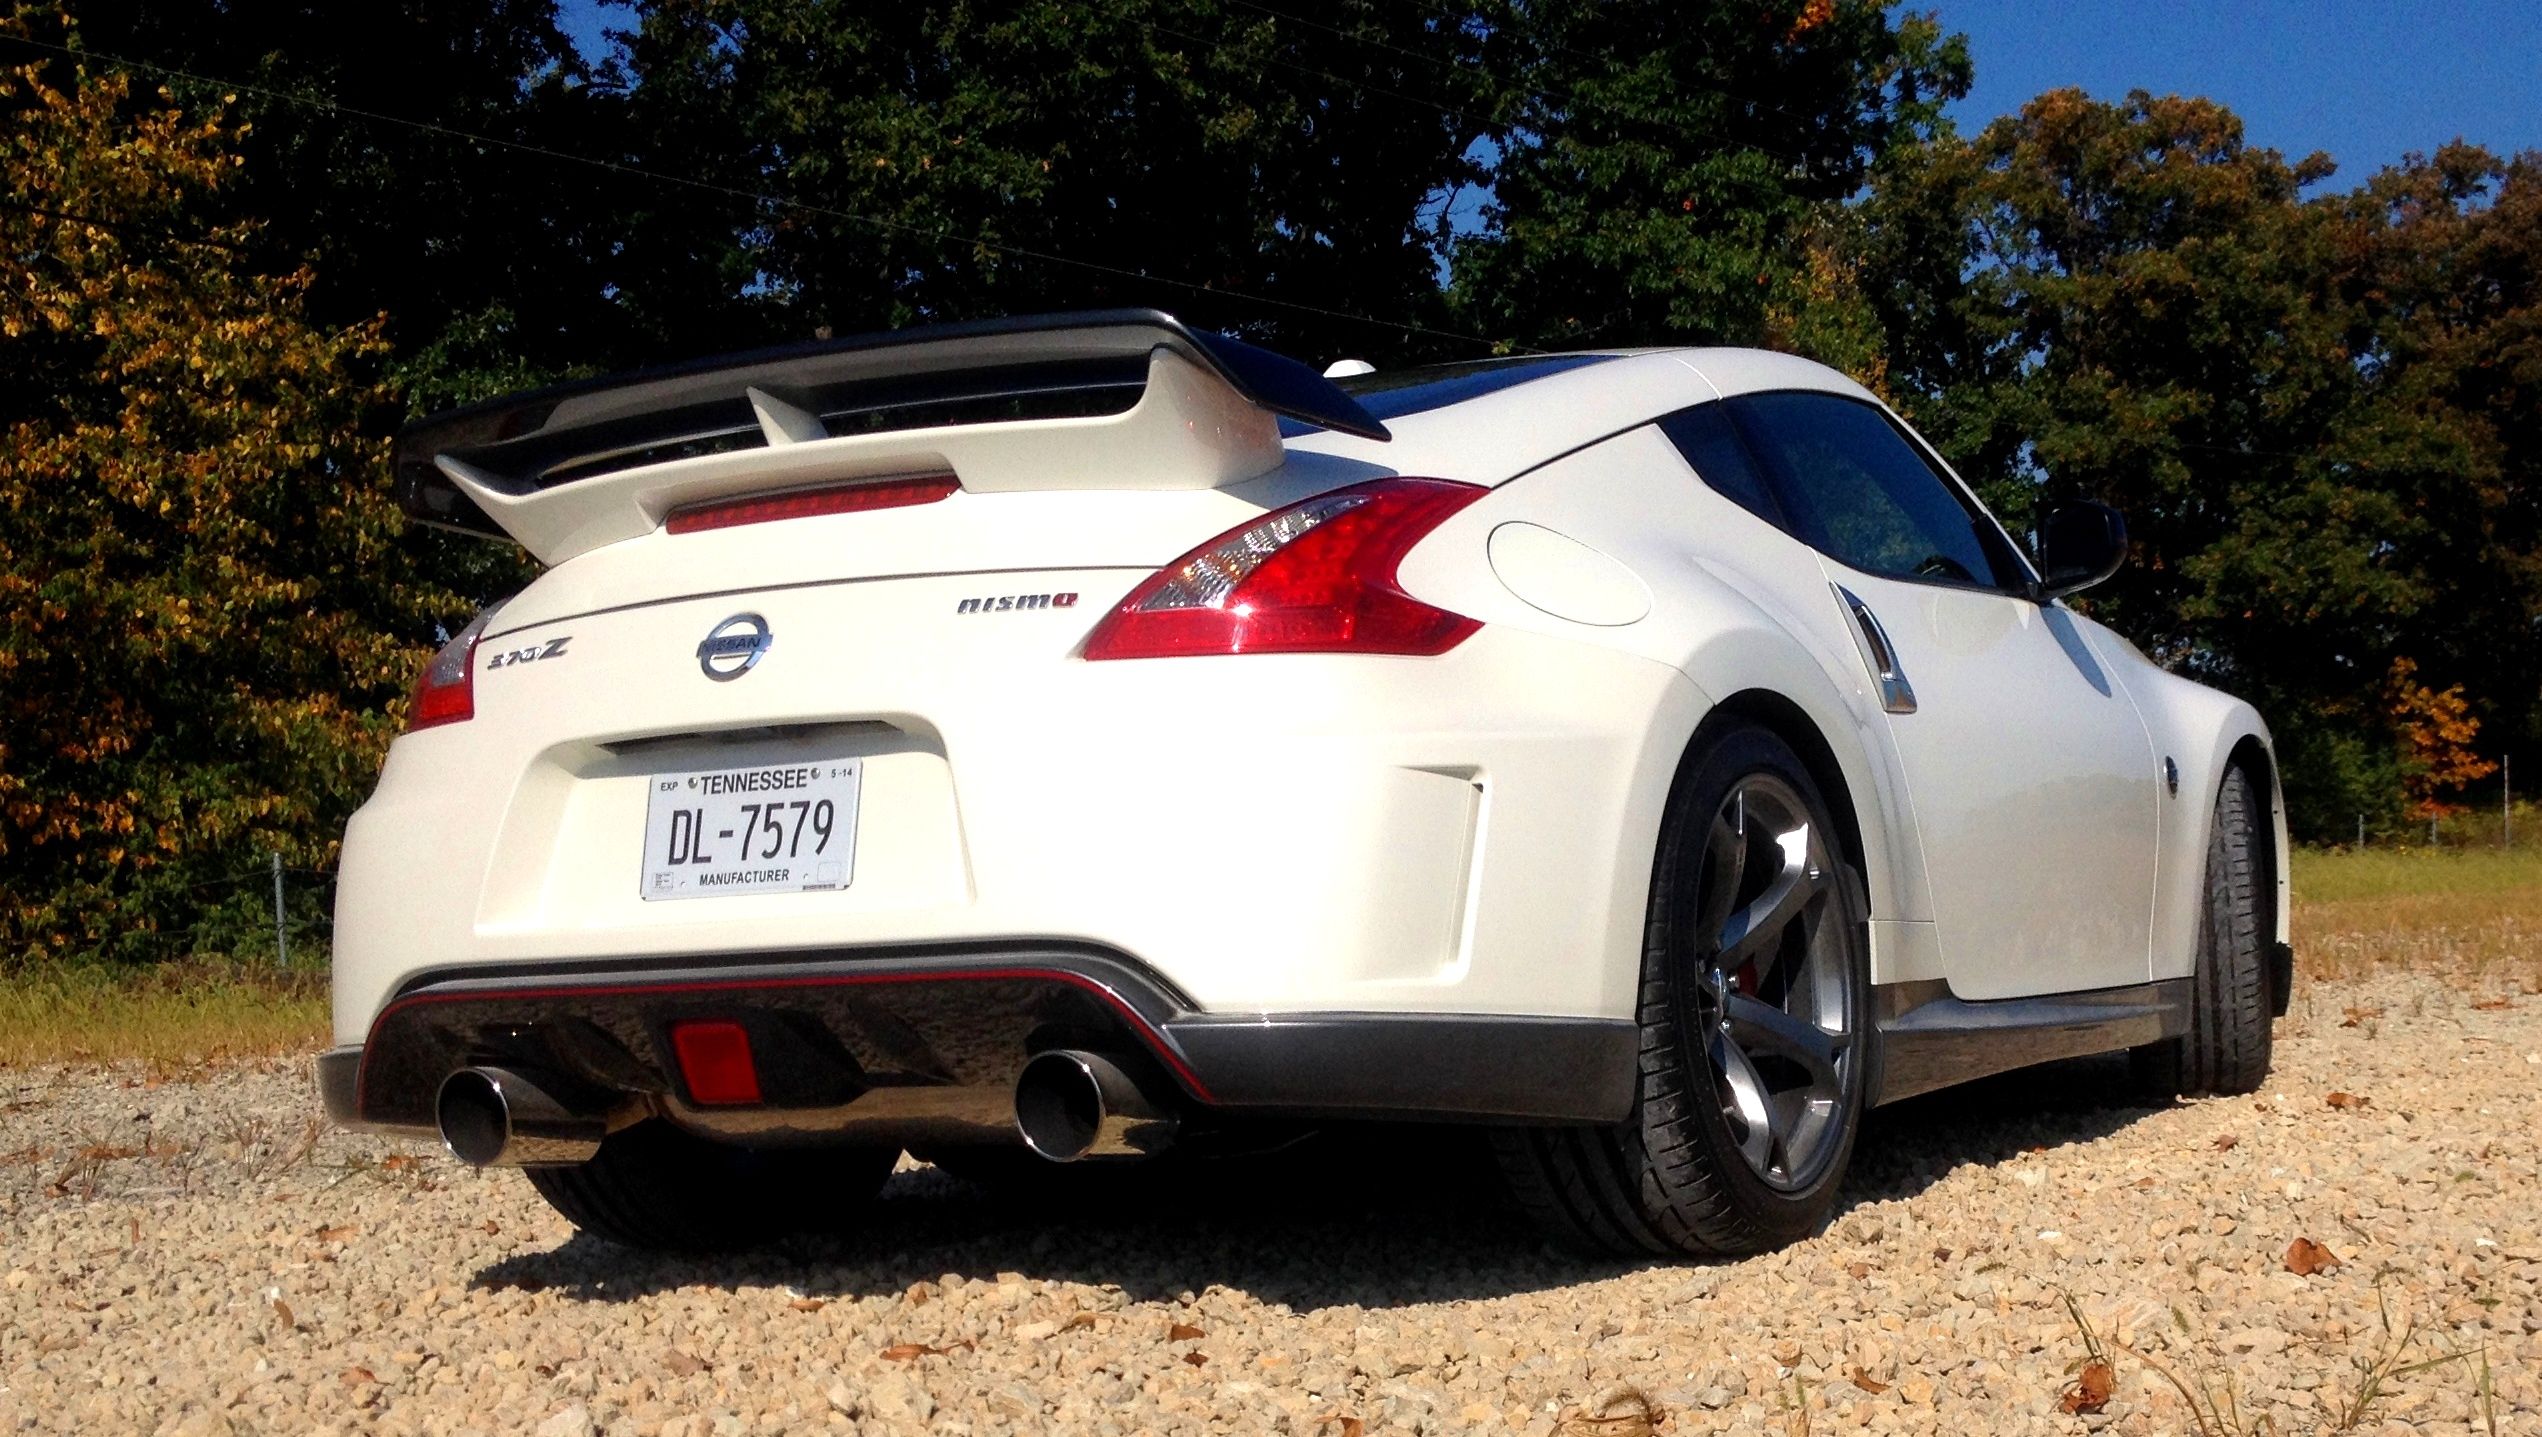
(715, 1060)
(447, 690)
(1316, 577)
(804, 503)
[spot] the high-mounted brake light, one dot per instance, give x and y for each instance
(1316, 577)
(804, 503)
(446, 692)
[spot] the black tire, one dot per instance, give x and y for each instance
(2226, 1050)
(656, 1187)
(1673, 1178)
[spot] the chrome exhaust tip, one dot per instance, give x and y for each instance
(497, 1118)
(1071, 1105)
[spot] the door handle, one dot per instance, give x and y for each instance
(1897, 696)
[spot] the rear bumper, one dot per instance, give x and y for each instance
(917, 1044)
(1283, 834)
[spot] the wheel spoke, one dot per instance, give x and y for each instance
(1726, 866)
(1747, 1102)
(1799, 1116)
(1761, 1026)
(1755, 931)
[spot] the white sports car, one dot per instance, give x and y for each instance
(1082, 735)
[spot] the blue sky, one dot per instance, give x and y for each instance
(2366, 81)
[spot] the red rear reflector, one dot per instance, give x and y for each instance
(804, 503)
(715, 1062)
(1316, 577)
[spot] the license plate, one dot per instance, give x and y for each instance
(773, 828)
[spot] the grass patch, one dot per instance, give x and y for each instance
(167, 1013)
(2341, 875)
(2473, 914)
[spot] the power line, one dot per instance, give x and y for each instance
(757, 197)
(1459, 17)
(1574, 99)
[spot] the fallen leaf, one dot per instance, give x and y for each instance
(1196, 1359)
(2346, 1100)
(912, 1351)
(2492, 1005)
(136, 1232)
(2227, 1143)
(1858, 1270)
(1183, 1332)
(2304, 1257)
(809, 1304)
(355, 1376)
(682, 1364)
(491, 1227)
(397, 1162)
(1867, 1382)
(1622, 1410)
(282, 1313)
(2144, 1182)
(2357, 1016)
(1351, 1426)
(2091, 1390)
(333, 1234)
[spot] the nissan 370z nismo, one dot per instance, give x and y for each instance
(1082, 735)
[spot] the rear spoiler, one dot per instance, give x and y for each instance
(1115, 399)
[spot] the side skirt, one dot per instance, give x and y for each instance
(1929, 1039)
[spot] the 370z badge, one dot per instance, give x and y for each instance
(535, 652)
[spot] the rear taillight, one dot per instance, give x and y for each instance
(1316, 577)
(804, 503)
(447, 691)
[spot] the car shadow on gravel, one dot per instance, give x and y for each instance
(1375, 1217)
(1907, 1147)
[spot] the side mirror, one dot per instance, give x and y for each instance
(2080, 544)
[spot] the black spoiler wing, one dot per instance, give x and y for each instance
(903, 380)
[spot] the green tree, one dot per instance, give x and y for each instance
(207, 622)
(1667, 172)
(2441, 256)
(490, 261)
(2146, 309)
(1267, 169)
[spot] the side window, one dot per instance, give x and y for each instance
(1704, 435)
(1862, 494)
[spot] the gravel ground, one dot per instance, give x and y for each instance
(195, 1256)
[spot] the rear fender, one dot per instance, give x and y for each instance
(1634, 505)
(2200, 731)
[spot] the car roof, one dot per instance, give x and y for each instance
(1487, 426)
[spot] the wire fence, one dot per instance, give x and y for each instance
(293, 923)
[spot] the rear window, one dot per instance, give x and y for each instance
(1391, 394)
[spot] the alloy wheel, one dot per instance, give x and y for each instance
(1770, 997)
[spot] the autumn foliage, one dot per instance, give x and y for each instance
(206, 619)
